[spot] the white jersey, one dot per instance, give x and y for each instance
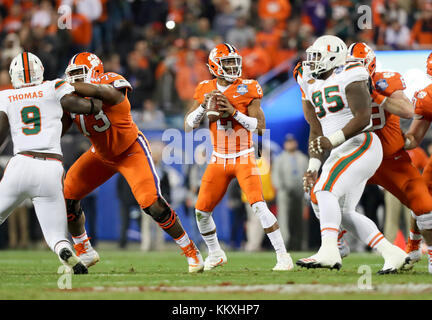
(35, 114)
(329, 97)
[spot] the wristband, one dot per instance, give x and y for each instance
(337, 138)
(194, 118)
(248, 123)
(92, 106)
(314, 165)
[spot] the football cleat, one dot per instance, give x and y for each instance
(194, 258)
(344, 249)
(87, 254)
(326, 257)
(430, 261)
(215, 259)
(284, 262)
(414, 252)
(394, 259)
(72, 262)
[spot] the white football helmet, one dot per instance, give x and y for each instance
(326, 53)
(25, 70)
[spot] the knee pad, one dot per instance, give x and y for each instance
(161, 212)
(205, 221)
(73, 209)
(266, 217)
(424, 221)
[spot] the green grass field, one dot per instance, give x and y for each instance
(163, 276)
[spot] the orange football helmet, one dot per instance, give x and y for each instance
(89, 64)
(225, 61)
(429, 65)
(360, 51)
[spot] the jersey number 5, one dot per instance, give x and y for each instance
(334, 101)
(31, 117)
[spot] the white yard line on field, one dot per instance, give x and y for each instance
(274, 288)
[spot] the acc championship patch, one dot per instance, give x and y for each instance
(242, 89)
(381, 84)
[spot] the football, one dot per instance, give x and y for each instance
(213, 113)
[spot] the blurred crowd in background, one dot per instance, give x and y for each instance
(161, 47)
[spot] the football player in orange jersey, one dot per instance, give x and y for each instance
(422, 119)
(233, 152)
(396, 173)
(117, 147)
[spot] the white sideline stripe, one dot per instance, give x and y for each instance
(274, 288)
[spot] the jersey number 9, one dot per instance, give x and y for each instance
(31, 117)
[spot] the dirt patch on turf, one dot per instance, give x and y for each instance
(270, 288)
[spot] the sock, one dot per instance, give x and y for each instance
(414, 240)
(330, 215)
(207, 226)
(84, 239)
(267, 220)
(429, 250)
(183, 240)
(60, 245)
(382, 244)
(277, 241)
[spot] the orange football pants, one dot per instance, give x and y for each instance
(135, 165)
(397, 175)
(219, 174)
(427, 174)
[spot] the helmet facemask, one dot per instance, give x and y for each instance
(77, 73)
(228, 67)
(231, 67)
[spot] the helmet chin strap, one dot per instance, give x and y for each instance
(88, 78)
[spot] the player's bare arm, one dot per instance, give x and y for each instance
(196, 113)
(315, 159)
(399, 104)
(4, 126)
(105, 92)
(416, 133)
(66, 123)
(75, 104)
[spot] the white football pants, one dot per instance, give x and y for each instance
(42, 182)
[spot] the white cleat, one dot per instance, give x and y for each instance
(344, 249)
(194, 258)
(325, 258)
(215, 259)
(415, 256)
(72, 262)
(394, 259)
(284, 262)
(87, 254)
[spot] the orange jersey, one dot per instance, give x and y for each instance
(422, 101)
(229, 136)
(385, 124)
(112, 131)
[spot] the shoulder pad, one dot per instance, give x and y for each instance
(116, 80)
